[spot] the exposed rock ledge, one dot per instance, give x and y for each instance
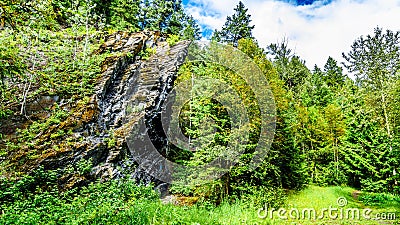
(98, 125)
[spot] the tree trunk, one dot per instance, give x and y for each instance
(386, 116)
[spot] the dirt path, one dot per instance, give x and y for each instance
(355, 194)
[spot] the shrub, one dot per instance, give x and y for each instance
(375, 199)
(172, 39)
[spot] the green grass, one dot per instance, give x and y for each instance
(126, 203)
(319, 198)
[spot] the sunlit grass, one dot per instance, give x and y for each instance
(128, 204)
(320, 198)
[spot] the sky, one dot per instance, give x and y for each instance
(315, 29)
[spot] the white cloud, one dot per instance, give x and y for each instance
(314, 31)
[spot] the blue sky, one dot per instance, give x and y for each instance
(316, 29)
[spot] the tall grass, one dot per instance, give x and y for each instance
(118, 202)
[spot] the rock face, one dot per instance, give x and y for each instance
(134, 77)
(140, 86)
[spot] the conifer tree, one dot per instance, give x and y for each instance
(124, 13)
(236, 27)
(315, 91)
(291, 68)
(191, 29)
(333, 73)
(375, 60)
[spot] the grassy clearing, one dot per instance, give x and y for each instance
(127, 203)
(320, 198)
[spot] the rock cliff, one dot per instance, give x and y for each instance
(136, 80)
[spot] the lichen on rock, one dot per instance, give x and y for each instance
(95, 129)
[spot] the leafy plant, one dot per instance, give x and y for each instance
(173, 39)
(84, 166)
(147, 53)
(376, 199)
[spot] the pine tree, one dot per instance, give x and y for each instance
(123, 14)
(333, 73)
(315, 91)
(291, 68)
(191, 30)
(163, 11)
(236, 27)
(375, 61)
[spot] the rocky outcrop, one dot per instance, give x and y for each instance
(139, 85)
(133, 77)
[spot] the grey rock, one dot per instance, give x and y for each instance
(126, 83)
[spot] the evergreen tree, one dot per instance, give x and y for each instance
(164, 14)
(291, 68)
(315, 91)
(368, 160)
(333, 73)
(375, 61)
(183, 25)
(236, 27)
(296, 73)
(191, 30)
(123, 14)
(292, 164)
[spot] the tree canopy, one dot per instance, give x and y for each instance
(236, 27)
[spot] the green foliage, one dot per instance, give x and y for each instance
(172, 39)
(333, 74)
(291, 158)
(262, 195)
(283, 167)
(13, 191)
(124, 14)
(375, 58)
(84, 166)
(134, 15)
(36, 199)
(56, 65)
(147, 53)
(329, 130)
(166, 16)
(191, 30)
(290, 67)
(376, 61)
(18, 13)
(12, 66)
(369, 155)
(38, 127)
(125, 202)
(96, 203)
(236, 27)
(111, 140)
(374, 199)
(5, 113)
(315, 91)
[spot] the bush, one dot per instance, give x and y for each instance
(173, 39)
(97, 203)
(375, 199)
(12, 65)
